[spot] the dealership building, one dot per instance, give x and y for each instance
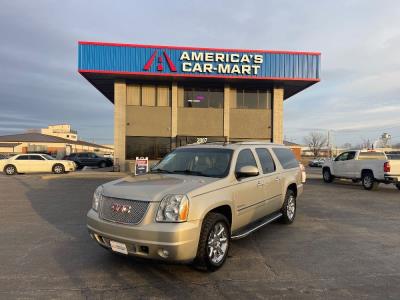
(167, 96)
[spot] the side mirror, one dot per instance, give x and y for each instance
(247, 171)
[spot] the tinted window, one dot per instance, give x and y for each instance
(266, 160)
(286, 158)
(22, 157)
(253, 99)
(394, 155)
(342, 156)
(152, 147)
(351, 155)
(245, 158)
(203, 98)
(83, 155)
(35, 157)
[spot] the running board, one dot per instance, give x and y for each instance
(254, 226)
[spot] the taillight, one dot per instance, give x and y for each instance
(386, 167)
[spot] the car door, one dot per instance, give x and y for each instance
(272, 187)
(37, 163)
(248, 192)
(350, 165)
(339, 165)
(22, 163)
(84, 159)
(93, 159)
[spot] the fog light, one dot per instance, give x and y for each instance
(163, 253)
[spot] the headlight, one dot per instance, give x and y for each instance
(97, 196)
(173, 208)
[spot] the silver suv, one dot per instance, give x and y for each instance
(196, 200)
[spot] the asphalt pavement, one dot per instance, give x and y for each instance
(345, 243)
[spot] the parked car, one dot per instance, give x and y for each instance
(30, 163)
(318, 162)
(2, 156)
(89, 159)
(198, 198)
(369, 167)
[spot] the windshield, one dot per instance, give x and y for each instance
(48, 157)
(209, 162)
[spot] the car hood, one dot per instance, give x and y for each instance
(153, 187)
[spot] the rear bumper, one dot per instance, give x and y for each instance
(180, 240)
(392, 178)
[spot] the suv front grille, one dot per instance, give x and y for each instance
(122, 210)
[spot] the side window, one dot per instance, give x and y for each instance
(83, 155)
(35, 157)
(245, 158)
(92, 155)
(266, 160)
(351, 155)
(22, 157)
(286, 158)
(342, 157)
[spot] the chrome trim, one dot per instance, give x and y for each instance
(242, 235)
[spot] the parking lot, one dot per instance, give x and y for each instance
(345, 243)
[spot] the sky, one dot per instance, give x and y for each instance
(357, 99)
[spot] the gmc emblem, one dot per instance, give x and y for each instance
(119, 208)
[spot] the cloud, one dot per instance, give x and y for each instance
(359, 41)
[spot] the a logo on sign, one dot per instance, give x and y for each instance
(160, 67)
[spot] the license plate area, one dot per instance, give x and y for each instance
(118, 247)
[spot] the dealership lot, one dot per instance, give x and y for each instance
(344, 243)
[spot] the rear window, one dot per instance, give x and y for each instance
(286, 158)
(371, 155)
(395, 155)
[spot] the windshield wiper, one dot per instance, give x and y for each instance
(159, 170)
(189, 172)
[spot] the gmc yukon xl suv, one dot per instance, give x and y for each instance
(195, 200)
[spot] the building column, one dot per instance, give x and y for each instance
(277, 116)
(120, 124)
(227, 97)
(174, 114)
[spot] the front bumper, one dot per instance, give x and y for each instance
(150, 240)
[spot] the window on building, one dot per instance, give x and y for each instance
(253, 99)
(203, 97)
(148, 95)
(286, 158)
(152, 147)
(266, 160)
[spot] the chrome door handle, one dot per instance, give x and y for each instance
(260, 183)
(277, 179)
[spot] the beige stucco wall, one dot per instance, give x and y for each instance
(200, 121)
(148, 121)
(250, 123)
(277, 99)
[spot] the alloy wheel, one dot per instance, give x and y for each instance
(217, 243)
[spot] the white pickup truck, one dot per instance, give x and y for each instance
(369, 167)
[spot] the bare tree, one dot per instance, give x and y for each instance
(315, 141)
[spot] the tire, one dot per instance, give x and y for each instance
(10, 170)
(289, 208)
(368, 181)
(102, 164)
(209, 240)
(58, 169)
(327, 175)
(398, 186)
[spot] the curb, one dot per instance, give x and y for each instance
(85, 175)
